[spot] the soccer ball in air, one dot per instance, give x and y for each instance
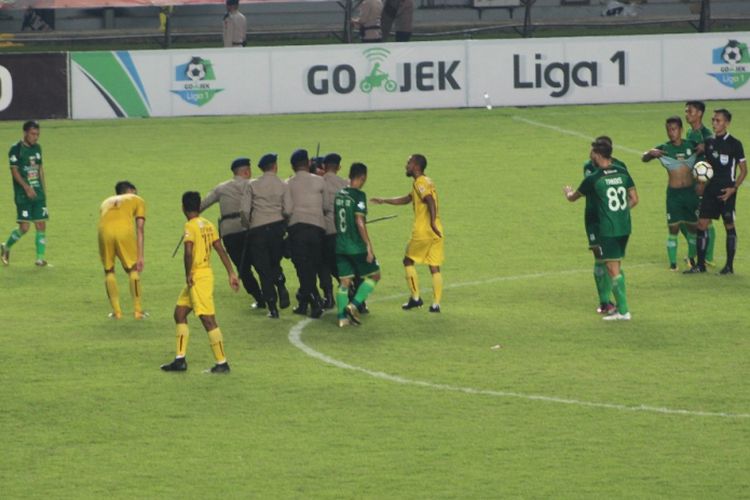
(196, 70)
(732, 53)
(703, 171)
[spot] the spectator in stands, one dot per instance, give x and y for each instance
(235, 25)
(368, 21)
(400, 11)
(34, 22)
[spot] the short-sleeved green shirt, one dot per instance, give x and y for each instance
(348, 203)
(699, 137)
(590, 215)
(28, 161)
(683, 153)
(608, 189)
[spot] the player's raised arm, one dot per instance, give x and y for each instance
(571, 194)
(234, 282)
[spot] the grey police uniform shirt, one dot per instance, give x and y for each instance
(234, 198)
(271, 200)
(309, 197)
(334, 184)
(235, 29)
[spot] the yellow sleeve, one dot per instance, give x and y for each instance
(423, 187)
(190, 232)
(140, 208)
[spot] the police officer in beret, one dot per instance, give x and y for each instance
(233, 197)
(235, 25)
(306, 230)
(270, 209)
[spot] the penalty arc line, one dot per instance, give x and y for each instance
(295, 338)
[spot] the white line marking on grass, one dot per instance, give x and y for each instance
(572, 132)
(295, 338)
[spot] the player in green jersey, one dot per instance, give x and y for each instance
(678, 156)
(614, 194)
(698, 133)
(591, 223)
(29, 192)
(354, 254)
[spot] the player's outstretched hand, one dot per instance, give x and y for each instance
(377, 201)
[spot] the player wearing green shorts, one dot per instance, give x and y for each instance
(613, 193)
(29, 192)
(591, 223)
(678, 156)
(698, 133)
(354, 254)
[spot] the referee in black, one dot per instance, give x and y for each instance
(726, 155)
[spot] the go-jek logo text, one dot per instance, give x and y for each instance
(193, 81)
(733, 59)
(420, 76)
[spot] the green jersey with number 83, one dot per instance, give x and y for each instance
(348, 203)
(608, 189)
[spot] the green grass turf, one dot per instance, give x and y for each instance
(87, 413)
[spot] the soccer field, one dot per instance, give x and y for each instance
(518, 389)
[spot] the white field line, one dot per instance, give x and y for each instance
(573, 133)
(295, 338)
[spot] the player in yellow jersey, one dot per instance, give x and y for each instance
(426, 243)
(121, 228)
(198, 294)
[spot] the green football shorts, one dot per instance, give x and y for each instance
(613, 248)
(31, 210)
(682, 205)
(350, 266)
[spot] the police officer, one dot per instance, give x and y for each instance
(333, 184)
(306, 230)
(233, 197)
(271, 207)
(235, 25)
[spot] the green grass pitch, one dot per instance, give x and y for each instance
(410, 405)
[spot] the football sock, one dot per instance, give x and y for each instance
(731, 246)
(672, 249)
(41, 244)
(412, 280)
(15, 235)
(183, 334)
(217, 345)
(437, 288)
(342, 299)
(364, 291)
(690, 238)
(710, 244)
(110, 283)
(135, 290)
(618, 287)
(701, 242)
(603, 282)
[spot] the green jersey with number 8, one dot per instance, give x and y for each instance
(348, 203)
(608, 188)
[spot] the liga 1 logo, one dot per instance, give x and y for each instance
(733, 59)
(195, 81)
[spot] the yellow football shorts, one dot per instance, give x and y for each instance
(200, 296)
(124, 247)
(426, 251)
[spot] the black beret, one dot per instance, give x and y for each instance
(267, 159)
(332, 158)
(240, 162)
(299, 156)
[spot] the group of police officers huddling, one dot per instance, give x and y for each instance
(264, 219)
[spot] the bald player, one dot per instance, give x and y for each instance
(121, 221)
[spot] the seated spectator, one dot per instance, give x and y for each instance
(34, 22)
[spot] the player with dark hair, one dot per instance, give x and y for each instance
(29, 190)
(355, 257)
(426, 245)
(678, 157)
(198, 293)
(122, 218)
(591, 224)
(698, 133)
(614, 194)
(725, 154)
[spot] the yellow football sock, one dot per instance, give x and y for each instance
(135, 291)
(437, 288)
(217, 345)
(110, 284)
(183, 334)
(412, 281)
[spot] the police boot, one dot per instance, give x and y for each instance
(316, 306)
(273, 312)
(329, 302)
(302, 307)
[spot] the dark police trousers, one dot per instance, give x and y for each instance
(238, 248)
(267, 248)
(306, 242)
